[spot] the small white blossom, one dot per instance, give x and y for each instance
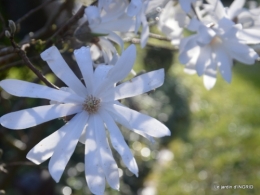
(96, 106)
(213, 48)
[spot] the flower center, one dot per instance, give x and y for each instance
(216, 40)
(91, 104)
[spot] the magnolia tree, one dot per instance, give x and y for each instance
(208, 36)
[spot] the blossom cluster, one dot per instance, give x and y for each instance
(218, 35)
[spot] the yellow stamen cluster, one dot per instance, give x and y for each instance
(91, 104)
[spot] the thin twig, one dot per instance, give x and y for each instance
(71, 21)
(19, 163)
(26, 60)
(138, 41)
(33, 11)
(159, 37)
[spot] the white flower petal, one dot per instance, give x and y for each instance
(210, 74)
(93, 15)
(32, 90)
(134, 7)
(250, 36)
(136, 86)
(224, 63)
(117, 39)
(108, 162)
(203, 60)
(84, 61)
(241, 52)
(145, 31)
(120, 70)
(185, 5)
(45, 148)
(100, 74)
(119, 143)
(66, 147)
(34, 116)
(93, 169)
(58, 65)
(140, 122)
(235, 7)
(209, 81)
(205, 35)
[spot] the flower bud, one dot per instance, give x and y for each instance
(12, 26)
(7, 34)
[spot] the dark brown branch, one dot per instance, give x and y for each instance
(70, 22)
(6, 51)
(33, 11)
(19, 163)
(26, 60)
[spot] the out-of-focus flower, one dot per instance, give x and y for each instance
(213, 48)
(104, 24)
(94, 104)
(247, 18)
(171, 22)
(139, 9)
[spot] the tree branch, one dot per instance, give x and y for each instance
(26, 60)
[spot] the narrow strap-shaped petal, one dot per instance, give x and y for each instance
(145, 31)
(93, 169)
(210, 74)
(25, 89)
(134, 7)
(45, 148)
(123, 121)
(117, 39)
(136, 86)
(142, 122)
(34, 116)
(108, 162)
(224, 62)
(235, 8)
(66, 147)
(121, 69)
(119, 143)
(58, 65)
(84, 61)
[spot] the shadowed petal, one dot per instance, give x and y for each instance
(119, 143)
(121, 69)
(34, 116)
(66, 147)
(93, 169)
(45, 148)
(32, 90)
(108, 163)
(141, 122)
(84, 61)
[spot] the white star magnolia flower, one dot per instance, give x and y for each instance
(95, 105)
(139, 9)
(214, 47)
(236, 12)
(171, 22)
